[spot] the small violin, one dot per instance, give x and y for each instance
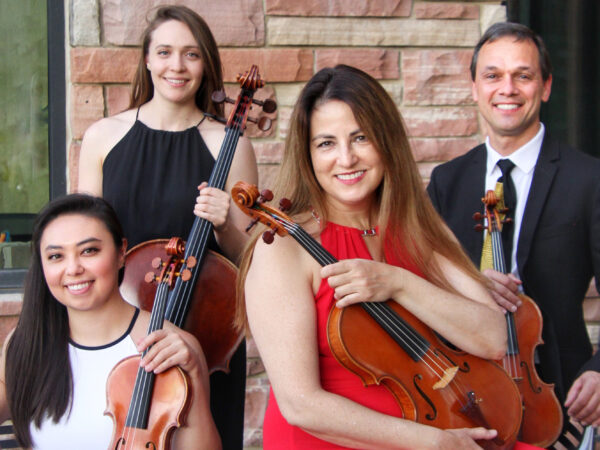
(542, 413)
(383, 343)
(157, 403)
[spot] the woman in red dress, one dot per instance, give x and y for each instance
(354, 185)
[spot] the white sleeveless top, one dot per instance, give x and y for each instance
(86, 427)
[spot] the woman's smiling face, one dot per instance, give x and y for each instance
(346, 164)
(80, 261)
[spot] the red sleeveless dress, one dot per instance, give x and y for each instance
(343, 243)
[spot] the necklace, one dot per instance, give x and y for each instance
(366, 232)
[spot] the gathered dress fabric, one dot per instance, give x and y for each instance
(343, 243)
(150, 177)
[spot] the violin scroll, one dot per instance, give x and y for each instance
(492, 214)
(253, 204)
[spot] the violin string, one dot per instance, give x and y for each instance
(141, 394)
(430, 359)
(202, 228)
(509, 362)
(403, 333)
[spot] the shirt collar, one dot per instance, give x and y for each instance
(524, 157)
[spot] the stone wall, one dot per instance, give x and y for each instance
(419, 50)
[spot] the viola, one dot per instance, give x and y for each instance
(542, 413)
(157, 403)
(384, 344)
(203, 302)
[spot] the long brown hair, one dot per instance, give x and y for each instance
(39, 380)
(407, 219)
(142, 88)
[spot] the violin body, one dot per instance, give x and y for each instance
(171, 387)
(366, 349)
(542, 413)
(212, 309)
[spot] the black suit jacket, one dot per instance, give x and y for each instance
(558, 250)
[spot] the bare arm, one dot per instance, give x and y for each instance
(4, 410)
(470, 319)
(280, 304)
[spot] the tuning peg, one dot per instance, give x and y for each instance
(477, 216)
(268, 236)
(478, 227)
(285, 204)
(265, 196)
(269, 106)
(264, 123)
(220, 97)
(149, 277)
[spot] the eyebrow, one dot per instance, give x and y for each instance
(517, 69)
(329, 136)
(85, 241)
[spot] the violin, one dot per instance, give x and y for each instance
(203, 302)
(542, 413)
(157, 403)
(385, 344)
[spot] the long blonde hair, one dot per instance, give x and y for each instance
(407, 219)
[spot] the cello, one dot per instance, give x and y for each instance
(203, 301)
(384, 344)
(157, 403)
(542, 413)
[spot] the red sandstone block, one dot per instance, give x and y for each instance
(440, 121)
(103, 65)
(432, 10)
(379, 63)
(290, 64)
(384, 8)
(73, 165)
(87, 106)
(117, 98)
(233, 23)
(441, 149)
(425, 169)
(266, 175)
(436, 77)
(268, 152)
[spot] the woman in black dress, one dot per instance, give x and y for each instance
(152, 161)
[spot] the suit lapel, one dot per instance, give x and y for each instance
(543, 176)
(470, 195)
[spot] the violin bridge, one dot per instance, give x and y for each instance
(446, 378)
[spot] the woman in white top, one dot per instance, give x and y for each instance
(75, 326)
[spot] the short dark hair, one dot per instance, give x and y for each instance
(520, 33)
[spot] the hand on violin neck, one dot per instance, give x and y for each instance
(362, 280)
(170, 347)
(504, 289)
(213, 205)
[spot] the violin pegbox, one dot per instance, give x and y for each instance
(491, 219)
(253, 203)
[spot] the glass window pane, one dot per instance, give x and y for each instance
(24, 182)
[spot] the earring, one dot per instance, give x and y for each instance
(148, 66)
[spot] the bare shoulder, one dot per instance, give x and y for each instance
(104, 134)
(283, 259)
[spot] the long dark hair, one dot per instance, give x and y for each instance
(39, 381)
(142, 88)
(408, 221)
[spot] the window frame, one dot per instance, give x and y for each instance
(12, 279)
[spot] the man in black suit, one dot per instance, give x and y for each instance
(555, 235)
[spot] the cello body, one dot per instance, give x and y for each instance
(212, 310)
